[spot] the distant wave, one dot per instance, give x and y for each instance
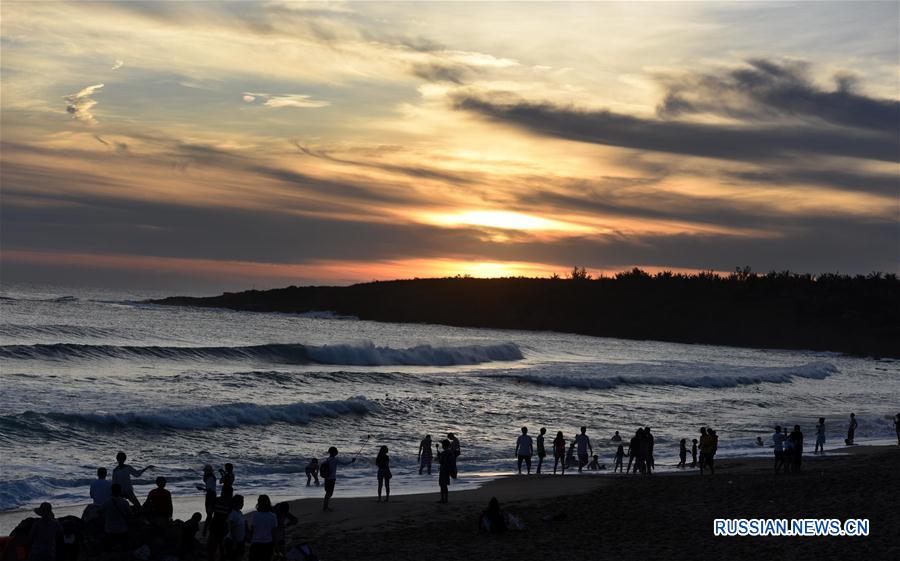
(56, 299)
(199, 418)
(608, 376)
(353, 355)
(18, 330)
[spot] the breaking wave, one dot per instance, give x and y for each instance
(694, 375)
(352, 355)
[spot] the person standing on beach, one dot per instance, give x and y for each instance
(383, 463)
(116, 516)
(682, 453)
(209, 487)
(425, 456)
(447, 462)
(524, 450)
(620, 456)
(633, 446)
(559, 452)
(649, 436)
(820, 437)
(454, 444)
(851, 430)
(897, 427)
(226, 478)
(778, 439)
(122, 475)
(237, 530)
(541, 451)
(584, 445)
(788, 451)
(704, 446)
(693, 452)
(328, 470)
(796, 438)
(713, 448)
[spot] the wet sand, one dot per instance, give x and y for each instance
(666, 516)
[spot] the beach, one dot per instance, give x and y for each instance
(666, 516)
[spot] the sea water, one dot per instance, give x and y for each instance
(87, 373)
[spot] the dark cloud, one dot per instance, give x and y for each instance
(765, 90)
(730, 142)
(440, 72)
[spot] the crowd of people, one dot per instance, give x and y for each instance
(117, 521)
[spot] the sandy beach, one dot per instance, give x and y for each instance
(655, 517)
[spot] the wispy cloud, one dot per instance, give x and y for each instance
(118, 64)
(79, 104)
(299, 101)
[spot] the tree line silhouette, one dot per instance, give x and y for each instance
(857, 314)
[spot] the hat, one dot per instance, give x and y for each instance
(45, 510)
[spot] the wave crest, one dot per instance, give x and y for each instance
(285, 353)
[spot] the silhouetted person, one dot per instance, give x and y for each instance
(189, 531)
(759, 442)
(851, 429)
(584, 445)
(209, 486)
(425, 455)
(897, 427)
(595, 463)
(101, 488)
(237, 530)
(158, 506)
(682, 452)
(122, 475)
(616, 437)
(447, 463)
(263, 523)
(788, 451)
(328, 471)
(226, 478)
(541, 450)
(44, 535)
(283, 514)
(312, 471)
(693, 452)
(218, 527)
(454, 444)
(820, 437)
(620, 456)
(714, 447)
(650, 442)
(559, 452)
(778, 439)
(524, 450)
(797, 438)
(383, 463)
(492, 520)
(633, 446)
(116, 518)
(705, 447)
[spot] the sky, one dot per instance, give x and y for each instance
(205, 146)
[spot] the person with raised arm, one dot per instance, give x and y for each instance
(122, 475)
(328, 471)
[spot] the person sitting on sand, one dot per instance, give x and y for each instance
(584, 446)
(283, 514)
(541, 450)
(759, 442)
(237, 530)
(620, 457)
(101, 488)
(122, 475)
(116, 517)
(616, 437)
(682, 452)
(820, 437)
(559, 452)
(492, 520)
(158, 505)
(778, 439)
(447, 463)
(851, 429)
(189, 531)
(328, 470)
(693, 452)
(425, 456)
(797, 438)
(524, 450)
(45, 533)
(263, 523)
(312, 471)
(383, 463)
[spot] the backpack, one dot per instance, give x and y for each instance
(324, 470)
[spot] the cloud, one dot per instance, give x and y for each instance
(767, 90)
(79, 104)
(740, 142)
(300, 101)
(118, 64)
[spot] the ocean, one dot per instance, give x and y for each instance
(87, 373)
